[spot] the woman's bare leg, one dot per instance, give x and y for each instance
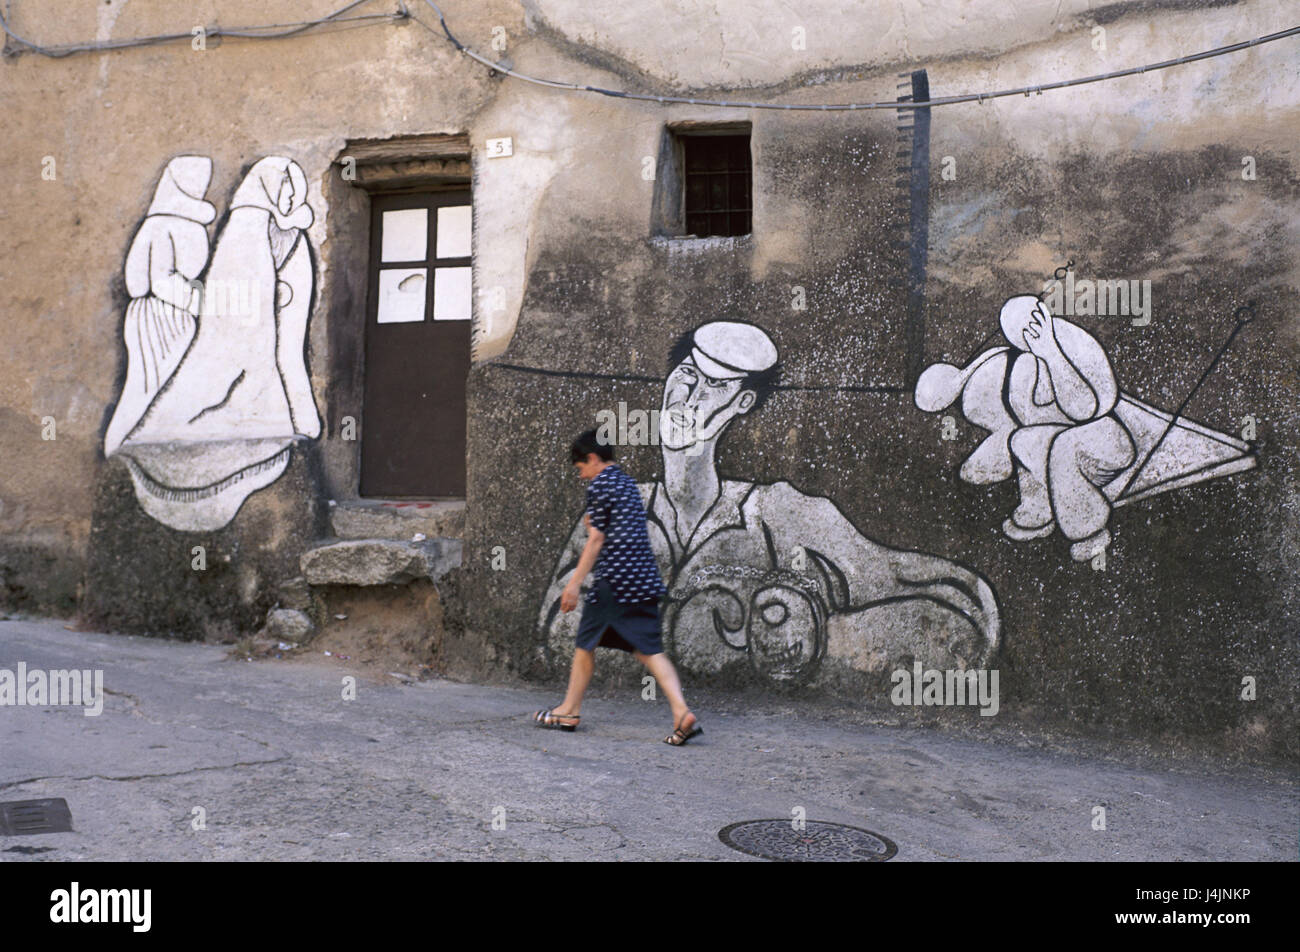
(666, 675)
(584, 663)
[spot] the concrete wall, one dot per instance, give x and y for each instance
(1184, 178)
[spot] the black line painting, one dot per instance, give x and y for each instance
(641, 378)
(1059, 423)
(764, 570)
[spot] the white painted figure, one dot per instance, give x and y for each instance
(1058, 422)
(222, 426)
(168, 252)
(765, 570)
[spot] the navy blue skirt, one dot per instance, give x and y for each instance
(607, 623)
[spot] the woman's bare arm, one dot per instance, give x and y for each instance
(595, 539)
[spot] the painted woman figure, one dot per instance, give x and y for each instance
(223, 426)
(256, 296)
(169, 251)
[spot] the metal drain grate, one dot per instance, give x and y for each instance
(28, 817)
(816, 842)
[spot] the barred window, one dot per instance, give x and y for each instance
(717, 192)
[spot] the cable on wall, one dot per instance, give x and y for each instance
(269, 31)
(835, 107)
(403, 14)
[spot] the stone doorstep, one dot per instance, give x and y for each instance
(381, 519)
(379, 561)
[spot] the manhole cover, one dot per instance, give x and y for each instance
(816, 842)
(27, 817)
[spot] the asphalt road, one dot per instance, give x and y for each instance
(283, 767)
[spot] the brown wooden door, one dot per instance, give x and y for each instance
(417, 345)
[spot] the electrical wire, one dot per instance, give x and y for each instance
(243, 32)
(891, 104)
(402, 13)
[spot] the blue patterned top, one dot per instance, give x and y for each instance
(626, 560)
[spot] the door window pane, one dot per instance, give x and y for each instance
(401, 294)
(405, 234)
(451, 294)
(454, 231)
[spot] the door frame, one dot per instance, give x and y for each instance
(420, 163)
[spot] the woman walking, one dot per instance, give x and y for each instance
(622, 608)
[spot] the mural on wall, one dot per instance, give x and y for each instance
(767, 571)
(1059, 423)
(216, 389)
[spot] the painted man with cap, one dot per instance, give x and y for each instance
(765, 570)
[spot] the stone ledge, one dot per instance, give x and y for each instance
(369, 520)
(379, 561)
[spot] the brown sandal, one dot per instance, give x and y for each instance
(680, 736)
(552, 720)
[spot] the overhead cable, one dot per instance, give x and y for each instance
(269, 31)
(837, 107)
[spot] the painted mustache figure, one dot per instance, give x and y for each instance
(202, 431)
(765, 570)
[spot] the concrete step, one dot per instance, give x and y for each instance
(379, 561)
(383, 519)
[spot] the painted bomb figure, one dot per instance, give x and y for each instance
(1058, 421)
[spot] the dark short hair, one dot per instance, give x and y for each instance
(586, 444)
(762, 382)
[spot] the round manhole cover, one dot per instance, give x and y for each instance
(816, 842)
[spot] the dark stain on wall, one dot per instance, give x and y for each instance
(140, 575)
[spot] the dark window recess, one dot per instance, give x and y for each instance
(717, 185)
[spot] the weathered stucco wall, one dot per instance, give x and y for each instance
(1139, 179)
